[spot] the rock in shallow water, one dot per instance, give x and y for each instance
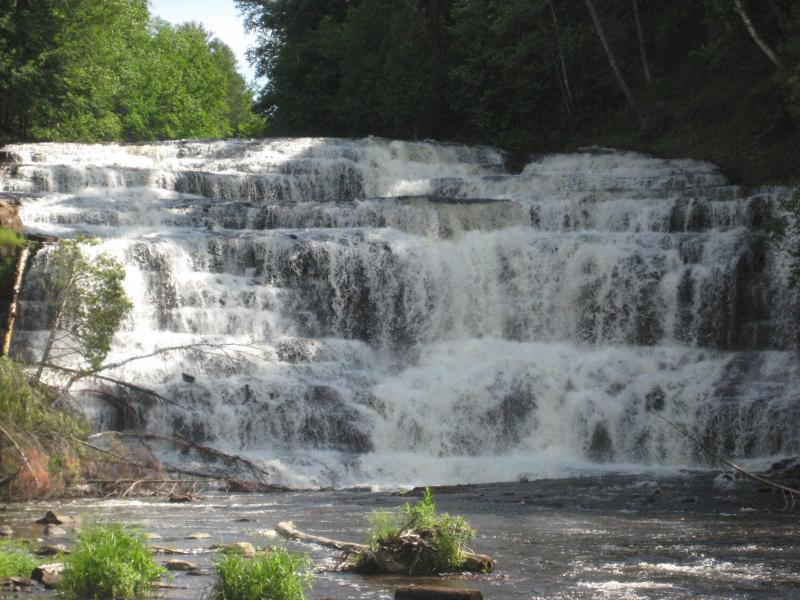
(51, 518)
(51, 550)
(54, 531)
(177, 564)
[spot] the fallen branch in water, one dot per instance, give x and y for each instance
(401, 557)
(144, 466)
(716, 456)
(121, 383)
(287, 529)
(186, 444)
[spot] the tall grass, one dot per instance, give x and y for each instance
(16, 560)
(109, 562)
(275, 575)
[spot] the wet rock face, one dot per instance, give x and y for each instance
(377, 297)
(330, 422)
(655, 398)
(601, 446)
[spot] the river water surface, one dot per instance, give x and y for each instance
(613, 536)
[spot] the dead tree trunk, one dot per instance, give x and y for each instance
(564, 79)
(12, 306)
(642, 47)
(629, 97)
(737, 4)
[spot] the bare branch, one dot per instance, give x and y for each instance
(725, 461)
(19, 450)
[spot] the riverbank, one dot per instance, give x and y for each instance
(649, 536)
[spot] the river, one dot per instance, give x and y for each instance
(614, 536)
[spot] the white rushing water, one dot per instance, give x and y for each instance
(397, 313)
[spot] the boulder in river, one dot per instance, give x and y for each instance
(48, 574)
(51, 518)
(246, 549)
(54, 531)
(176, 564)
(51, 550)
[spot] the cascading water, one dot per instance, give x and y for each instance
(395, 312)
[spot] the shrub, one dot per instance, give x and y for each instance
(109, 562)
(16, 561)
(9, 237)
(447, 536)
(276, 575)
(45, 434)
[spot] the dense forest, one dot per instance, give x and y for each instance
(711, 79)
(84, 70)
(714, 79)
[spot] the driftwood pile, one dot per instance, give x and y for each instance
(406, 554)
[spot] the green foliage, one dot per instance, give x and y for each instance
(277, 575)
(447, 535)
(10, 243)
(10, 238)
(109, 562)
(16, 561)
(45, 434)
(88, 302)
(82, 70)
(531, 75)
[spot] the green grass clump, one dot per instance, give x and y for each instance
(10, 238)
(447, 536)
(16, 561)
(109, 562)
(275, 575)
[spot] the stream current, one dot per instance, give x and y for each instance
(615, 537)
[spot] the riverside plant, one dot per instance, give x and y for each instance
(109, 562)
(16, 561)
(276, 574)
(443, 538)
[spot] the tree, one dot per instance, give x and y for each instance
(769, 52)
(82, 70)
(87, 304)
(598, 26)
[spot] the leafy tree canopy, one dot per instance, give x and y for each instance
(82, 70)
(537, 75)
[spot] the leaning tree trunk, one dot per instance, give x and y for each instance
(642, 48)
(754, 34)
(563, 80)
(22, 260)
(598, 26)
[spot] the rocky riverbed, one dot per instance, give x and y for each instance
(697, 534)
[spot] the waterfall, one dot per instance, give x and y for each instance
(387, 312)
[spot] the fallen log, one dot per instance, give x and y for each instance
(398, 558)
(287, 529)
(430, 592)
